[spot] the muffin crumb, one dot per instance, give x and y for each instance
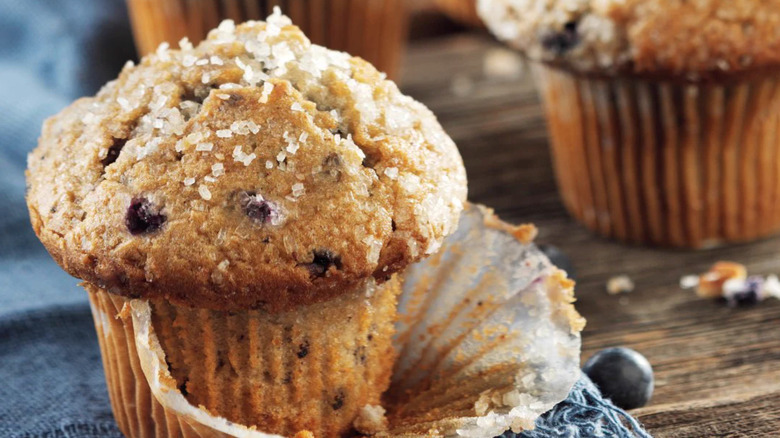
(371, 420)
(620, 284)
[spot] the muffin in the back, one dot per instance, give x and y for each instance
(463, 11)
(662, 114)
(374, 30)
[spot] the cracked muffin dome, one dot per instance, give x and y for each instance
(697, 40)
(254, 171)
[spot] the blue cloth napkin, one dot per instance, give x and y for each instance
(53, 52)
(51, 375)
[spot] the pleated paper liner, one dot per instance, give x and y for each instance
(375, 30)
(462, 11)
(487, 340)
(311, 369)
(666, 164)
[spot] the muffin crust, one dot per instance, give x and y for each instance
(698, 40)
(254, 171)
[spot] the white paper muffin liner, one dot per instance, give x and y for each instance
(488, 340)
(488, 337)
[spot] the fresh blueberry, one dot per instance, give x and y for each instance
(743, 292)
(559, 259)
(142, 217)
(744, 298)
(322, 261)
(560, 42)
(623, 376)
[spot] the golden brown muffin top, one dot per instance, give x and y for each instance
(254, 171)
(693, 39)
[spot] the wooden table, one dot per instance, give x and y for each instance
(717, 369)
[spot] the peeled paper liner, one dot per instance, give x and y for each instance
(488, 340)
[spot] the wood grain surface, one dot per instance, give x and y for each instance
(717, 368)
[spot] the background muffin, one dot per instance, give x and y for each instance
(255, 178)
(662, 114)
(464, 11)
(372, 29)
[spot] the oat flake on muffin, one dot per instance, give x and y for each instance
(254, 171)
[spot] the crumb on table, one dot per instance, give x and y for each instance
(620, 284)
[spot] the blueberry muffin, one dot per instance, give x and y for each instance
(262, 194)
(663, 114)
(463, 11)
(375, 30)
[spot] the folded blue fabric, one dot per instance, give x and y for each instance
(53, 52)
(52, 377)
(53, 381)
